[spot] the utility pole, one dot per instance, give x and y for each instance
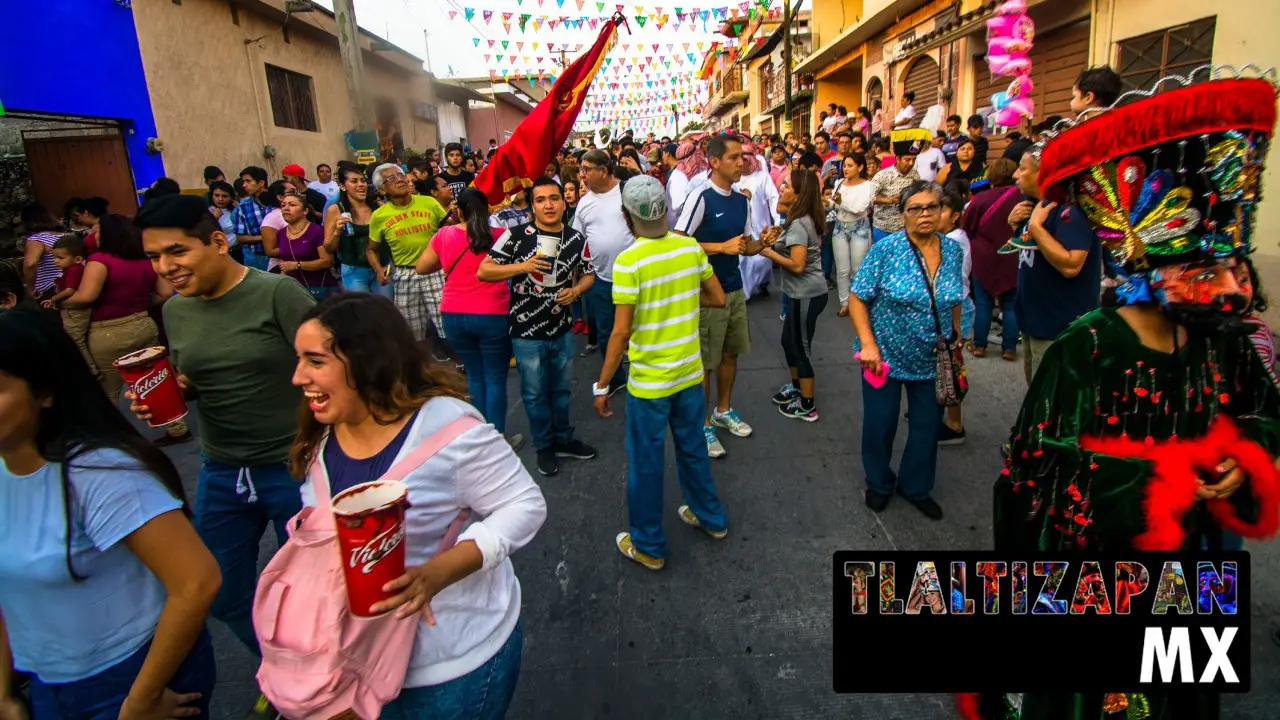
(352, 66)
(786, 63)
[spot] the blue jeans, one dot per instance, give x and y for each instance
(984, 306)
(233, 507)
(362, 279)
(99, 697)
(828, 254)
(881, 409)
(966, 318)
(482, 694)
(647, 422)
(254, 257)
(546, 369)
(483, 344)
(600, 303)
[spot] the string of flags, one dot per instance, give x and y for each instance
(658, 16)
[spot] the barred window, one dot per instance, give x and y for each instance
(293, 102)
(1143, 60)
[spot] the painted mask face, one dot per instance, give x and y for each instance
(1205, 297)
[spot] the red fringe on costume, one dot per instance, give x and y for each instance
(1176, 466)
(1183, 112)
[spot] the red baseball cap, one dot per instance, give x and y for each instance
(294, 169)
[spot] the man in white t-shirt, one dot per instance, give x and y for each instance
(325, 184)
(906, 117)
(930, 162)
(599, 218)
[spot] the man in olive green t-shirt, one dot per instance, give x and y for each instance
(405, 224)
(231, 334)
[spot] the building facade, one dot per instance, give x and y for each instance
(83, 122)
(244, 83)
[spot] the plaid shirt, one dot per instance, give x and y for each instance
(509, 217)
(248, 216)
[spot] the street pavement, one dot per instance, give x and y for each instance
(741, 627)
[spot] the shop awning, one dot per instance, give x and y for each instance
(955, 29)
(849, 40)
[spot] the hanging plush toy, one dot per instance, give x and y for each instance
(1010, 37)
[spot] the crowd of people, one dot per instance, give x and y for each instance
(390, 302)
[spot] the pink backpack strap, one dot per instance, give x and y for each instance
(424, 452)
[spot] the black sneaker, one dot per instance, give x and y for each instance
(590, 348)
(796, 409)
(547, 465)
(573, 449)
(786, 394)
(947, 436)
(928, 507)
(878, 501)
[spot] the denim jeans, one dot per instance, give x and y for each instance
(647, 422)
(850, 242)
(233, 507)
(966, 318)
(99, 697)
(983, 307)
(546, 369)
(363, 279)
(254, 257)
(482, 694)
(600, 301)
(483, 344)
(881, 409)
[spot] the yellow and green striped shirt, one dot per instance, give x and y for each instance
(662, 278)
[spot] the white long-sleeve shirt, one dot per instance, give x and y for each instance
(681, 187)
(855, 200)
(479, 471)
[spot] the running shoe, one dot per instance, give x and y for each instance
(575, 448)
(731, 421)
(623, 541)
(786, 394)
(795, 410)
(714, 448)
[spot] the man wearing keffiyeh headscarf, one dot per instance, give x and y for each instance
(690, 174)
(762, 212)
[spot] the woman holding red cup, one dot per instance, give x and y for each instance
(373, 395)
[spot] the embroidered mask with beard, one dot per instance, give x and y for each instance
(1205, 298)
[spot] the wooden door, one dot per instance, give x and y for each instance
(81, 166)
(922, 78)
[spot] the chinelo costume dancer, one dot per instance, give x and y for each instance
(1154, 425)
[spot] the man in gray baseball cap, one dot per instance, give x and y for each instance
(659, 284)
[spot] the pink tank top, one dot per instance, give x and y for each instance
(127, 290)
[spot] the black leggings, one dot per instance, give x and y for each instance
(797, 332)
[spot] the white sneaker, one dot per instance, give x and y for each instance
(714, 448)
(729, 420)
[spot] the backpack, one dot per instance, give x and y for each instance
(319, 661)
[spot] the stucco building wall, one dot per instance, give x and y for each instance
(208, 84)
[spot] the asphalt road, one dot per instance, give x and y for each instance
(741, 628)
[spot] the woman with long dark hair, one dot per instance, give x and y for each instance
(346, 231)
(104, 584)
(274, 223)
(120, 286)
(474, 312)
(965, 168)
(373, 395)
(301, 248)
(851, 198)
(804, 287)
(38, 268)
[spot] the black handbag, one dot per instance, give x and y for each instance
(951, 382)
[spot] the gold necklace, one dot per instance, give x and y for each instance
(288, 231)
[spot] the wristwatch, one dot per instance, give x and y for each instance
(598, 391)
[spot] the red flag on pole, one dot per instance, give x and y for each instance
(541, 134)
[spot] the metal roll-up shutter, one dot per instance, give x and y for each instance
(1056, 60)
(922, 79)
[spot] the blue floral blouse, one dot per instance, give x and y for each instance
(890, 283)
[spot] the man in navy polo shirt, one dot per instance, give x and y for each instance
(718, 218)
(1059, 266)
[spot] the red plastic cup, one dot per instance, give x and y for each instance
(370, 523)
(150, 377)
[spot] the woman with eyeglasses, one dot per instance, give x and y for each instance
(908, 287)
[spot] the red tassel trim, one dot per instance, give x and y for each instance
(967, 704)
(1209, 107)
(1176, 465)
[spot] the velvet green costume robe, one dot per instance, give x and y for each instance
(1097, 379)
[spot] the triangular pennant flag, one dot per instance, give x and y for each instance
(640, 19)
(504, 44)
(453, 14)
(486, 57)
(559, 3)
(476, 41)
(539, 62)
(488, 14)
(655, 47)
(580, 3)
(469, 13)
(599, 7)
(492, 43)
(519, 46)
(506, 16)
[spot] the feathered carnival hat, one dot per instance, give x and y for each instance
(1168, 176)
